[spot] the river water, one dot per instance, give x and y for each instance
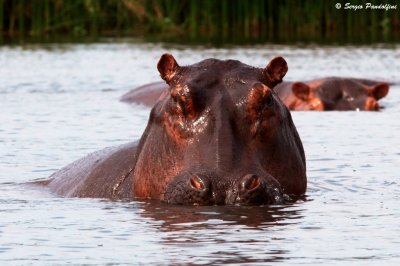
(60, 102)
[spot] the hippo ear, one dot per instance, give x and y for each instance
(301, 90)
(275, 71)
(167, 66)
(378, 91)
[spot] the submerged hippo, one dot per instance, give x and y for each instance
(326, 94)
(333, 93)
(219, 136)
(147, 94)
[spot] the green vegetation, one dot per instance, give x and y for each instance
(200, 21)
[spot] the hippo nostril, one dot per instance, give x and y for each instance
(197, 183)
(250, 182)
(254, 189)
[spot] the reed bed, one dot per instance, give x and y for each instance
(225, 21)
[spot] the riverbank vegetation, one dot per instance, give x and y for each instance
(199, 21)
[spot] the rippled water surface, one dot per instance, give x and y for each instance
(60, 102)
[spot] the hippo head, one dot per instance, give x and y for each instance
(220, 135)
(339, 94)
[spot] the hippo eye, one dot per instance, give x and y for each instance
(182, 101)
(262, 111)
(259, 98)
(269, 99)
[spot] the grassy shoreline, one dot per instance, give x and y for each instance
(199, 21)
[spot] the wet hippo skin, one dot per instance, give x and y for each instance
(325, 94)
(218, 135)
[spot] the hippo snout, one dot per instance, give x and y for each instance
(197, 189)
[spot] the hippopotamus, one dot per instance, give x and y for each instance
(333, 93)
(146, 94)
(219, 136)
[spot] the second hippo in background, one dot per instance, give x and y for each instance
(147, 94)
(334, 93)
(325, 94)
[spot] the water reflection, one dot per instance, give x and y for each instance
(223, 234)
(176, 218)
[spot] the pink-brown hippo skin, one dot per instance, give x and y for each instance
(220, 135)
(334, 93)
